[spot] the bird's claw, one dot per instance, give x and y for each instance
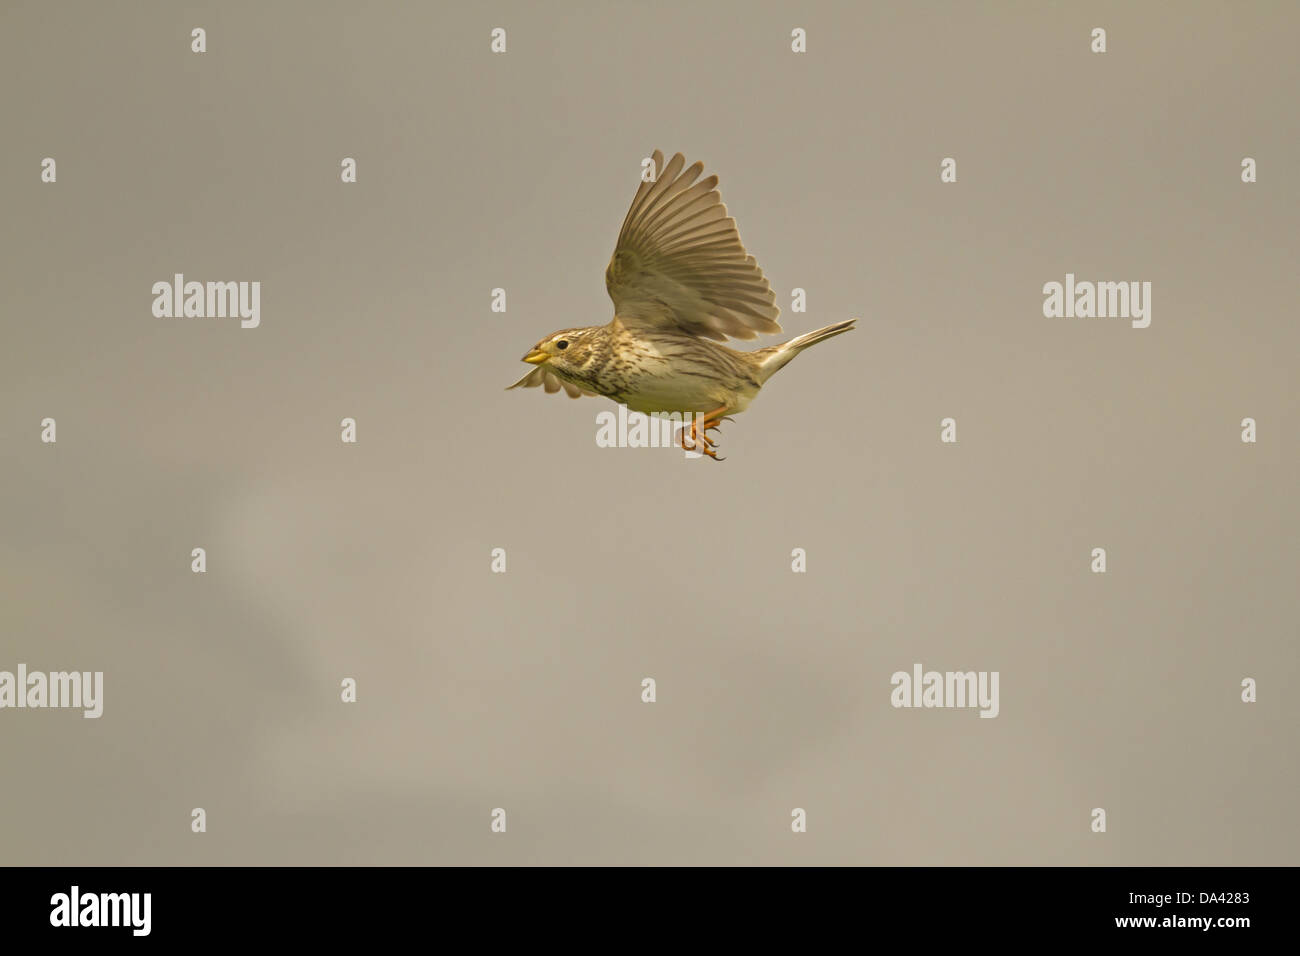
(700, 442)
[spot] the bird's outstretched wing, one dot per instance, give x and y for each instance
(550, 382)
(680, 263)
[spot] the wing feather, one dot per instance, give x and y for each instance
(550, 383)
(679, 261)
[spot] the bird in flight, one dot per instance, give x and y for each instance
(681, 282)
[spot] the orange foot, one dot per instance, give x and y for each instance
(700, 428)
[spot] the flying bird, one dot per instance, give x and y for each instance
(681, 282)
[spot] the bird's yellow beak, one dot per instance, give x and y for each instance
(535, 357)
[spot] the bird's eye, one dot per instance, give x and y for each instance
(562, 345)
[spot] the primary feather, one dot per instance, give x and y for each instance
(679, 262)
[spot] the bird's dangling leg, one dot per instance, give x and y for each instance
(701, 425)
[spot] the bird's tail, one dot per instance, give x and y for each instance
(778, 356)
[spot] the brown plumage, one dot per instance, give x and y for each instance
(681, 282)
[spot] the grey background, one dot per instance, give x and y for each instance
(522, 690)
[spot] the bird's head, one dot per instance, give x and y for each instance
(568, 348)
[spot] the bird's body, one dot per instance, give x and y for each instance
(681, 282)
(664, 370)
